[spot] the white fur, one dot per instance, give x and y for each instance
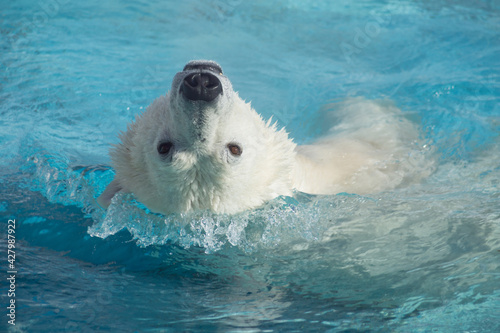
(362, 154)
(367, 151)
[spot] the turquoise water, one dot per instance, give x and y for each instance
(421, 258)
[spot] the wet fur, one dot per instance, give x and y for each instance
(367, 150)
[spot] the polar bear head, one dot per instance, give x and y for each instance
(201, 147)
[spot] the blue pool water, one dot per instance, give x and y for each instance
(422, 258)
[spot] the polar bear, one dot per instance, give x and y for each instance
(201, 147)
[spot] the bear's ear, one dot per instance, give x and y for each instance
(104, 199)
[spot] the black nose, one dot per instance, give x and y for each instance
(201, 87)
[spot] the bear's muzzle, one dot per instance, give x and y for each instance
(202, 86)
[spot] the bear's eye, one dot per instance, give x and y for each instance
(234, 149)
(164, 148)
